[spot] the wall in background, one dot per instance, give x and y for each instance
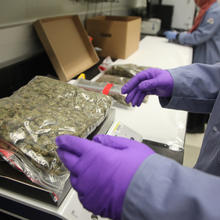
(183, 13)
(23, 11)
(17, 37)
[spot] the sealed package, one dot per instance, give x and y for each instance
(121, 74)
(125, 70)
(113, 79)
(107, 88)
(35, 115)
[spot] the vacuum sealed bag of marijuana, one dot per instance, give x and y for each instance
(106, 87)
(121, 74)
(113, 79)
(35, 115)
(125, 70)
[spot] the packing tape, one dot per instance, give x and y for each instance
(107, 88)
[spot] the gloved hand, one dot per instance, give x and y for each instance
(170, 35)
(101, 169)
(152, 81)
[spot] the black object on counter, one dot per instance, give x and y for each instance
(163, 149)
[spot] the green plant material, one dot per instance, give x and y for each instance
(40, 111)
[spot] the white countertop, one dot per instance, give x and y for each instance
(158, 52)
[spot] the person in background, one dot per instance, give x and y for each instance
(123, 179)
(204, 36)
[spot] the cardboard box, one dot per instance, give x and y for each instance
(118, 36)
(67, 44)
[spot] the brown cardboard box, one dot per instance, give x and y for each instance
(67, 45)
(118, 36)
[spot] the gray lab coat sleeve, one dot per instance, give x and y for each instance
(207, 28)
(196, 87)
(163, 189)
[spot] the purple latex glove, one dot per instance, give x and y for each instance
(152, 81)
(170, 35)
(101, 169)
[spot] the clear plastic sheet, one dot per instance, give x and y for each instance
(35, 115)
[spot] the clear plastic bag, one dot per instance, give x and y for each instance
(35, 115)
(113, 79)
(107, 88)
(125, 70)
(121, 70)
(119, 74)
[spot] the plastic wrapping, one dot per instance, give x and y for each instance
(113, 79)
(119, 74)
(125, 70)
(35, 115)
(128, 70)
(110, 89)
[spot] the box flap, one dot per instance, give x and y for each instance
(67, 45)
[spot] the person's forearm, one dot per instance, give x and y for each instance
(195, 88)
(163, 189)
(192, 39)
